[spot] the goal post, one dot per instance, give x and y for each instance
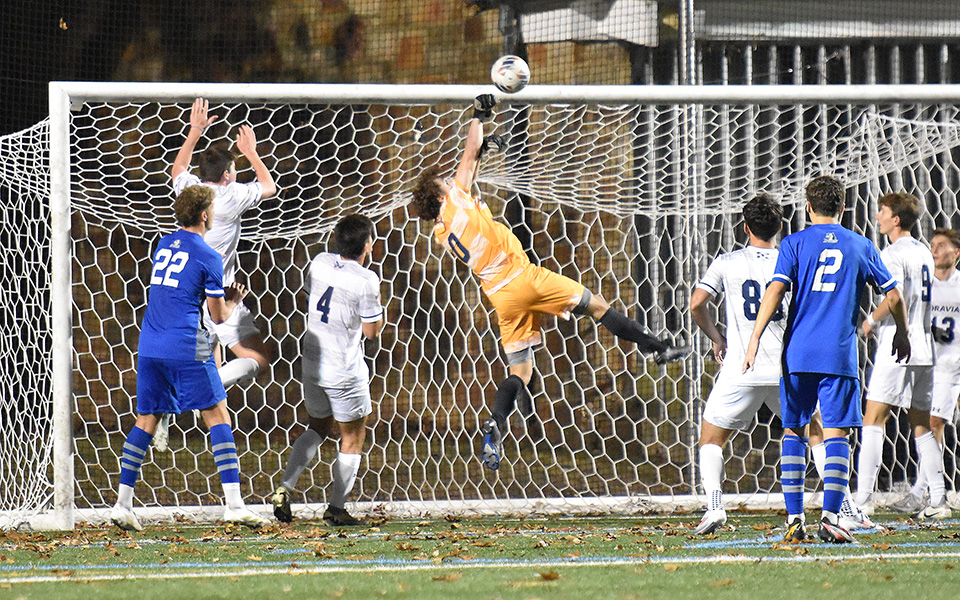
(631, 190)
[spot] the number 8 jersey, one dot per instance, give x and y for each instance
(185, 271)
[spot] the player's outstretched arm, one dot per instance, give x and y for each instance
(901, 340)
(467, 170)
(768, 306)
(222, 308)
(701, 316)
(247, 143)
(199, 121)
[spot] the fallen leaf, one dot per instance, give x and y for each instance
(448, 577)
(549, 576)
(254, 557)
(721, 582)
(670, 567)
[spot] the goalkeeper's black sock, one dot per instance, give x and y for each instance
(506, 399)
(624, 327)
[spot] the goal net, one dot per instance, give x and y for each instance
(630, 190)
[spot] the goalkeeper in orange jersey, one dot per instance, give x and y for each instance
(519, 291)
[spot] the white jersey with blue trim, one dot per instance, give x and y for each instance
(911, 264)
(742, 277)
(343, 295)
(945, 309)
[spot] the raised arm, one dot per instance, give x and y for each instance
(247, 143)
(768, 306)
(482, 110)
(222, 307)
(901, 340)
(199, 121)
(701, 316)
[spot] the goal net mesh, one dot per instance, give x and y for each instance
(633, 201)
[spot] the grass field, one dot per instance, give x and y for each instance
(481, 558)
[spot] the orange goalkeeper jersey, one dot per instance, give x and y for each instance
(467, 229)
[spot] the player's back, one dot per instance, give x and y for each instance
(945, 309)
(828, 267)
(911, 264)
(343, 295)
(185, 271)
(742, 277)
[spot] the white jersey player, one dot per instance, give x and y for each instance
(217, 171)
(905, 385)
(344, 307)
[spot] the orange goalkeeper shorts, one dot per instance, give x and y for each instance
(519, 304)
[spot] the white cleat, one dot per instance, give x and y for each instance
(852, 518)
(125, 519)
(161, 437)
(938, 512)
(711, 522)
(244, 516)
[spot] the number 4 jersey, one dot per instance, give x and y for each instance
(343, 295)
(742, 276)
(185, 271)
(827, 267)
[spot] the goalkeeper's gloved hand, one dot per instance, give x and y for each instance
(493, 143)
(941, 335)
(483, 107)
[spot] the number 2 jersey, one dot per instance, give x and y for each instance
(827, 267)
(945, 307)
(343, 295)
(911, 264)
(185, 271)
(742, 276)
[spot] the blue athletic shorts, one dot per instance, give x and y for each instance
(175, 386)
(839, 399)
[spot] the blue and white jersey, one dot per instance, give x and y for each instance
(827, 267)
(185, 272)
(911, 264)
(945, 306)
(343, 295)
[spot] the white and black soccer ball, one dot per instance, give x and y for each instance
(510, 74)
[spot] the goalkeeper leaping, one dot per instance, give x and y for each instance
(519, 291)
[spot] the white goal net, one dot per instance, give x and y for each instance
(630, 190)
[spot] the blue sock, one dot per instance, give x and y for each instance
(793, 467)
(835, 473)
(134, 450)
(225, 453)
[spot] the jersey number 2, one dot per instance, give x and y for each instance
(172, 263)
(830, 261)
(323, 304)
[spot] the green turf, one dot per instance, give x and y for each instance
(580, 558)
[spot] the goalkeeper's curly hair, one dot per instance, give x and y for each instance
(427, 195)
(191, 203)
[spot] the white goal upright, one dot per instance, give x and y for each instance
(631, 190)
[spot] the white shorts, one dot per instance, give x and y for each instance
(345, 404)
(946, 391)
(902, 386)
(732, 406)
(239, 326)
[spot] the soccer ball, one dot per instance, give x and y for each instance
(510, 74)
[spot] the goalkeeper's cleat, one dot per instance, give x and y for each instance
(281, 504)
(909, 504)
(796, 532)
(244, 516)
(161, 437)
(938, 511)
(833, 533)
(671, 354)
(124, 518)
(712, 521)
(853, 519)
(492, 443)
(339, 517)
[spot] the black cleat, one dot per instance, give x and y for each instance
(281, 504)
(796, 532)
(834, 534)
(339, 517)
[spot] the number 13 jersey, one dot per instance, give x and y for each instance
(343, 295)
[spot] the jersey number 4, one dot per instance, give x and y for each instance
(323, 304)
(167, 266)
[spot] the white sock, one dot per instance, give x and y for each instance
(711, 475)
(125, 496)
(344, 475)
(304, 450)
(868, 463)
(231, 493)
(921, 484)
(238, 369)
(931, 464)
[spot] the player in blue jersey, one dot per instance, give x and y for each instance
(175, 367)
(827, 267)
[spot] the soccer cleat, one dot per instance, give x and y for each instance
(281, 504)
(492, 443)
(852, 518)
(940, 511)
(125, 519)
(796, 532)
(712, 521)
(339, 517)
(161, 437)
(909, 504)
(244, 516)
(671, 354)
(834, 533)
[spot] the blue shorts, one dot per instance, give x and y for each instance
(839, 399)
(173, 386)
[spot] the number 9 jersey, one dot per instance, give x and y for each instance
(185, 271)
